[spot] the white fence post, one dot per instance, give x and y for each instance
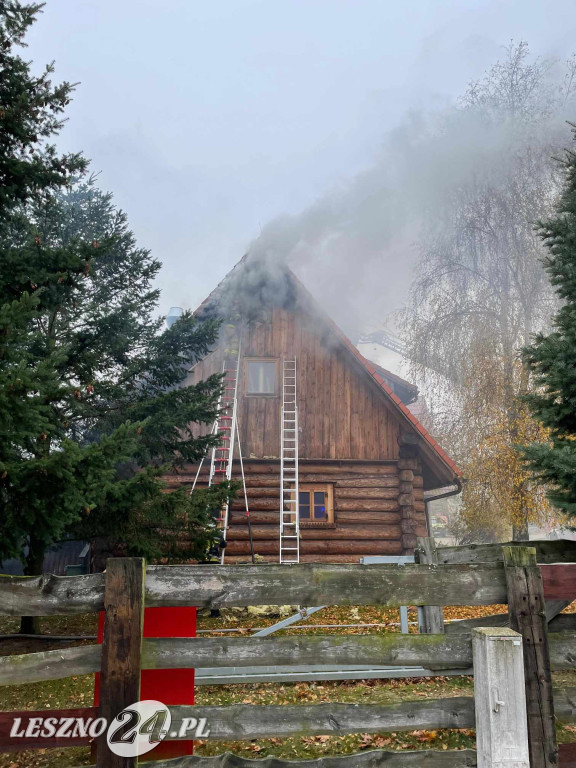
(500, 699)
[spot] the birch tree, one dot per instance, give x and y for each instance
(481, 289)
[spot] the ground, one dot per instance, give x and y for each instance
(78, 691)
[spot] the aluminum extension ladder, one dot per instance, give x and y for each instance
(289, 496)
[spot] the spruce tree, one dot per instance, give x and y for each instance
(31, 110)
(551, 359)
(93, 410)
(118, 415)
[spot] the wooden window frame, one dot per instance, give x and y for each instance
(328, 489)
(247, 361)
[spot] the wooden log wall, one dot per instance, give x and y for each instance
(378, 510)
(411, 498)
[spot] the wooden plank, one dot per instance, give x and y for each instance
(121, 647)
(310, 584)
(461, 758)
(500, 701)
(247, 722)
(467, 625)
(265, 505)
(305, 584)
(49, 595)
(49, 665)
(377, 650)
(526, 610)
(354, 467)
(269, 517)
(270, 504)
(13, 744)
(366, 493)
(565, 622)
(379, 544)
(344, 480)
(366, 504)
(388, 508)
(272, 492)
(565, 705)
(567, 755)
(345, 405)
(558, 551)
(432, 651)
(346, 533)
(383, 481)
(430, 617)
(368, 518)
(562, 647)
(396, 549)
(555, 607)
(341, 412)
(559, 581)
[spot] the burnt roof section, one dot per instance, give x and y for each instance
(253, 285)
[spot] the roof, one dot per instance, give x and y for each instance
(449, 470)
(406, 391)
(413, 420)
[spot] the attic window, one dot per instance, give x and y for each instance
(260, 377)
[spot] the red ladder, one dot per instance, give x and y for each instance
(222, 455)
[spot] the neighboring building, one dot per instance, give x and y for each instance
(65, 558)
(364, 460)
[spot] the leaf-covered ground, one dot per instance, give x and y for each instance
(78, 691)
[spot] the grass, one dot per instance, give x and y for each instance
(78, 692)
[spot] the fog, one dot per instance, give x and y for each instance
(280, 127)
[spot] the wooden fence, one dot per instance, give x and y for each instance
(512, 712)
(557, 570)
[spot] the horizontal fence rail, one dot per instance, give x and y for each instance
(465, 758)
(235, 722)
(248, 721)
(434, 652)
(563, 622)
(547, 552)
(237, 586)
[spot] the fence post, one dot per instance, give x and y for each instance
(120, 672)
(499, 699)
(527, 615)
(430, 617)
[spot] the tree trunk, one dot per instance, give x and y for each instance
(30, 625)
(520, 531)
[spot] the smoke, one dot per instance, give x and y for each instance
(356, 248)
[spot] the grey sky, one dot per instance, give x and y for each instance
(208, 119)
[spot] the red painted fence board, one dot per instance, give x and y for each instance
(567, 755)
(169, 686)
(8, 744)
(559, 581)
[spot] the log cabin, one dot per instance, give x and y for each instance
(344, 464)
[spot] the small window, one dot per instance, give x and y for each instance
(315, 504)
(260, 377)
